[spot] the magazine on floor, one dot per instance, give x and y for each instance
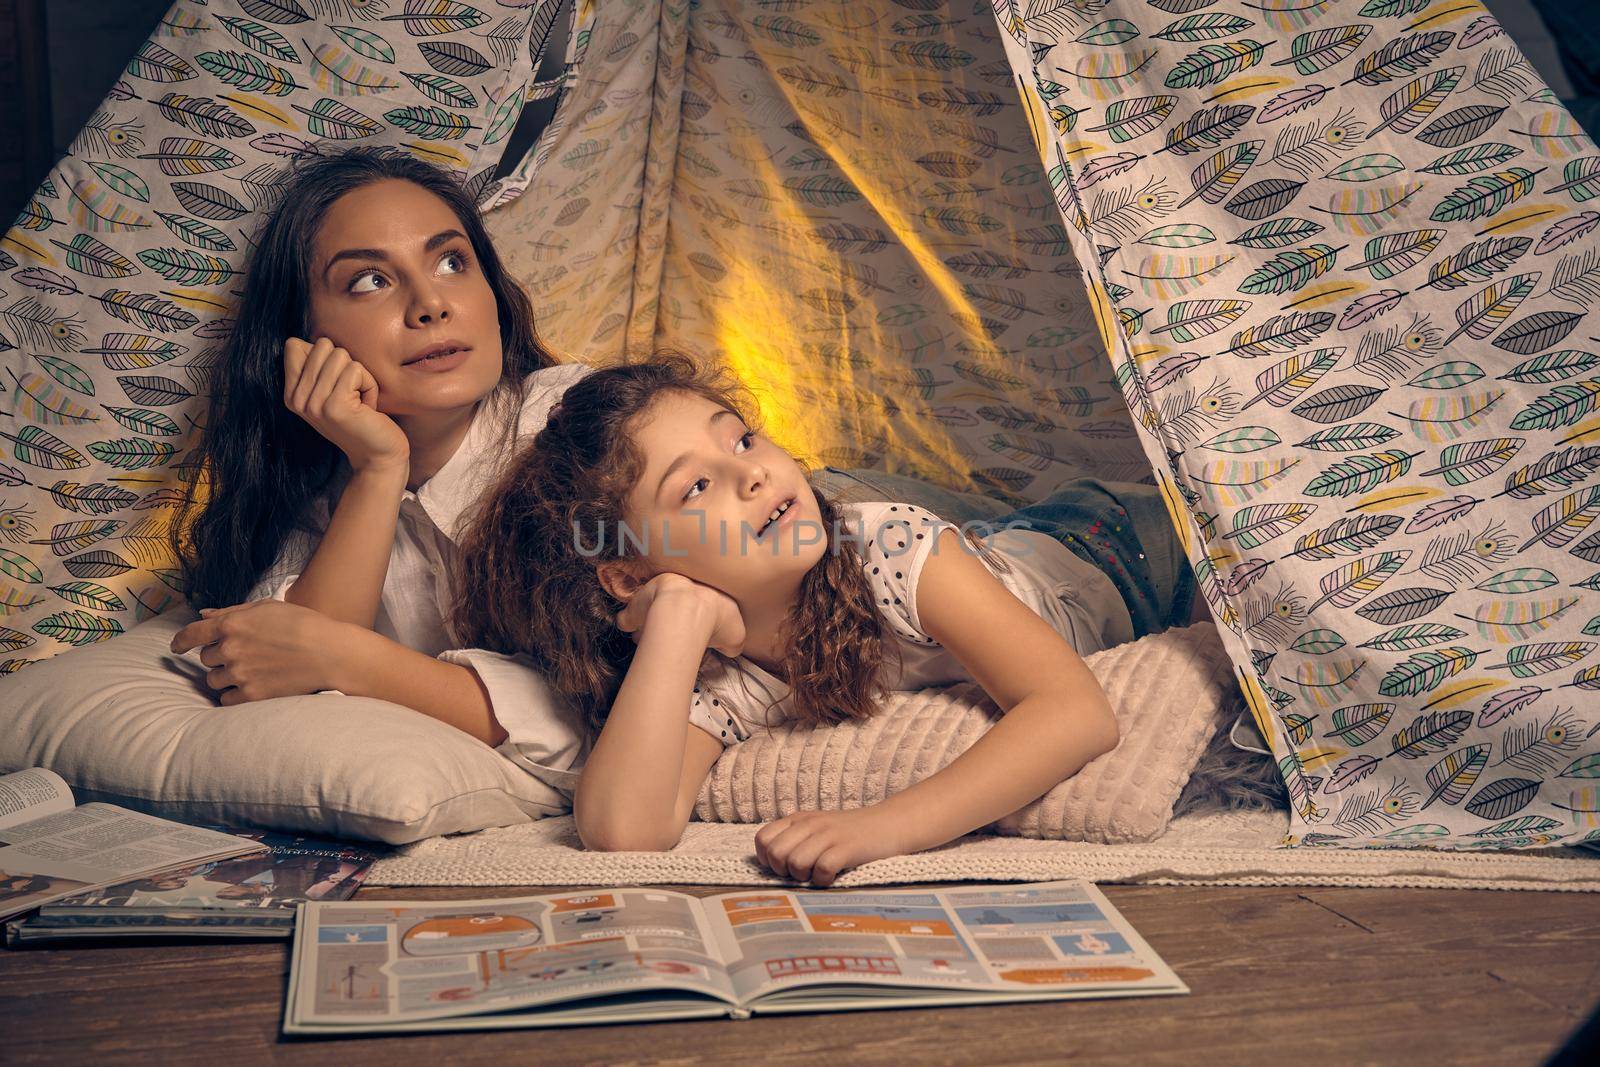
(253, 895)
(625, 955)
(52, 847)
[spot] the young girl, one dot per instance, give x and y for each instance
(679, 580)
(381, 365)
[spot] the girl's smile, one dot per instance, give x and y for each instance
(787, 514)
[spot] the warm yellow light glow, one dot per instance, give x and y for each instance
(860, 229)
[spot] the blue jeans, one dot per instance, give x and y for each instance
(1123, 529)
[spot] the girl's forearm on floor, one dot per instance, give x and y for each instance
(387, 670)
(1035, 745)
(344, 578)
(627, 797)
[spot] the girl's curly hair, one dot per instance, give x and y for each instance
(528, 587)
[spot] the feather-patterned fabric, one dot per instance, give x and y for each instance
(1404, 401)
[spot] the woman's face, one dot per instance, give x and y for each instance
(709, 487)
(392, 276)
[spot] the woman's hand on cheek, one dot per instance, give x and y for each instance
(339, 398)
(817, 846)
(265, 649)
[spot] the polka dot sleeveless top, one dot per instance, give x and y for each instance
(895, 542)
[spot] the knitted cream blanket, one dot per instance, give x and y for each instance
(1203, 848)
(1172, 692)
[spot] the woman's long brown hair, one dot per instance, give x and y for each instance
(259, 467)
(528, 587)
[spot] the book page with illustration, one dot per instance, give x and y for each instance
(52, 849)
(403, 961)
(631, 954)
(1055, 937)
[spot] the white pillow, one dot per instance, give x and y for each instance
(128, 722)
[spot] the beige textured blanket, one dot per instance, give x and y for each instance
(1200, 848)
(1172, 693)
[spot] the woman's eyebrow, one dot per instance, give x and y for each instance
(377, 253)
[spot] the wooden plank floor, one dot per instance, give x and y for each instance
(1408, 976)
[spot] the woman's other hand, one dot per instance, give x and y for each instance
(339, 398)
(817, 846)
(266, 649)
(678, 596)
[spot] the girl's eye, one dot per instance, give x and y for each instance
(460, 258)
(356, 281)
(747, 439)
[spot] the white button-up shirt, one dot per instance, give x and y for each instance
(544, 737)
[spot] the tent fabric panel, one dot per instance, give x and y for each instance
(661, 160)
(543, 85)
(571, 235)
(1352, 274)
(861, 229)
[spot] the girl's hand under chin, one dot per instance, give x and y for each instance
(678, 596)
(339, 398)
(817, 846)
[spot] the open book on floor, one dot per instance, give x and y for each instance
(54, 847)
(635, 955)
(254, 895)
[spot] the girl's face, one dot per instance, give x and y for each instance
(393, 277)
(709, 489)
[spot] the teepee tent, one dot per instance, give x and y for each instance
(1321, 270)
